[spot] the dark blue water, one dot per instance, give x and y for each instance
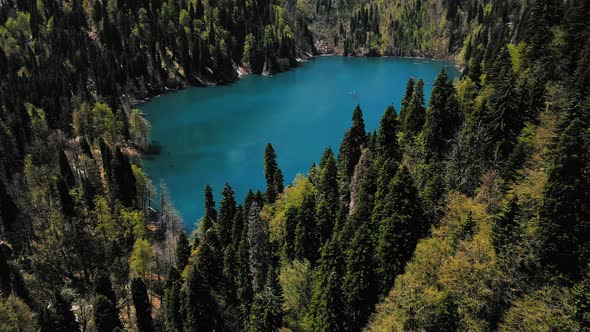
(218, 134)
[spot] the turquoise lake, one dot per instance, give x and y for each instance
(218, 134)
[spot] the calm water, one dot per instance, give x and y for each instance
(218, 134)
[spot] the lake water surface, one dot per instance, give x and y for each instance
(218, 134)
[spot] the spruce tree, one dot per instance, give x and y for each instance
(267, 308)
(505, 119)
(400, 218)
(415, 114)
(306, 244)
(386, 144)
(441, 119)
(326, 308)
(142, 304)
(172, 301)
(565, 209)
(183, 251)
(199, 305)
(359, 287)
(272, 174)
(227, 212)
(103, 286)
(259, 248)
(407, 98)
(105, 314)
(210, 212)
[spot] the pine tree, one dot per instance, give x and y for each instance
(142, 304)
(350, 151)
(359, 287)
(199, 305)
(387, 146)
(407, 98)
(441, 119)
(103, 286)
(65, 320)
(210, 212)
(505, 119)
(505, 225)
(326, 306)
(399, 216)
(183, 251)
(105, 314)
(267, 308)
(259, 248)
(306, 244)
(272, 174)
(227, 212)
(415, 114)
(565, 211)
(172, 301)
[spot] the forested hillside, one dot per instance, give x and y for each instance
(466, 212)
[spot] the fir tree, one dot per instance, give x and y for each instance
(272, 174)
(359, 284)
(210, 212)
(105, 314)
(401, 223)
(227, 212)
(183, 251)
(406, 98)
(199, 304)
(267, 308)
(441, 119)
(415, 114)
(142, 304)
(565, 209)
(387, 146)
(259, 248)
(306, 244)
(172, 301)
(103, 286)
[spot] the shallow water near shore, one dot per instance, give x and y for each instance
(218, 134)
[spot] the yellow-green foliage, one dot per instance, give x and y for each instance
(295, 279)
(16, 316)
(291, 197)
(516, 55)
(445, 265)
(141, 261)
(548, 309)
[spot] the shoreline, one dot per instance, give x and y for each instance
(243, 71)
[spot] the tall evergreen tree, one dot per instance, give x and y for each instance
(227, 212)
(259, 248)
(199, 305)
(306, 244)
(142, 304)
(272, 174)
(210, 212)
(105, 314)
(267, 308)
(565, 210)
(359, 287)
(406, 99)
(415, 113)
(183, 251)
(441, 118)
(326, 309)
(387, 146)
(173, 319)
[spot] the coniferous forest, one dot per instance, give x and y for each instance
(469, 211)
